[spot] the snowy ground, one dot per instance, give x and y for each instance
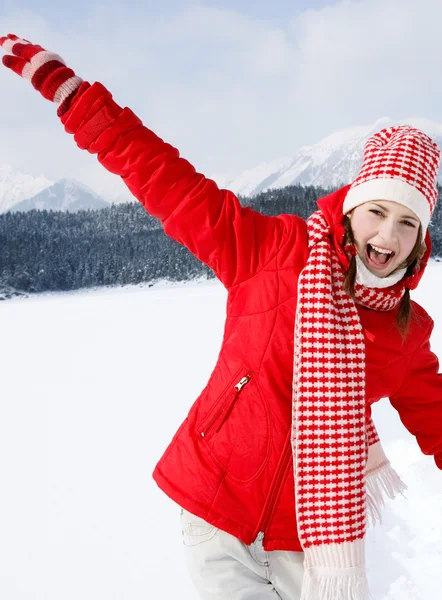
(93, 386)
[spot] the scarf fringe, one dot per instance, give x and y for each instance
(335, 587)
(384, 482)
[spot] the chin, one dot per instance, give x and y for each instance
(387, 272)
(380, 272)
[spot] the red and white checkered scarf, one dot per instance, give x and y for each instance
(340, 469)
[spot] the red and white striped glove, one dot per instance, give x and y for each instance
(46, 71)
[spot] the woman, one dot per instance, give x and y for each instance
(278, 464)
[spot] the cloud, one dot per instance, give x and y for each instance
(229, 89)
(374, 58)
(197, 77)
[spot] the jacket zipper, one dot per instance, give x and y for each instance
(271, 498)
(226, 408)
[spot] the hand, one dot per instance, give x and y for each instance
(46, 71)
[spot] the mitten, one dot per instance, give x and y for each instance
(46, 71)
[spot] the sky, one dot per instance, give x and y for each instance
(230, 84)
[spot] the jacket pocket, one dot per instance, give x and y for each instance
(220, 414)
(236, 431)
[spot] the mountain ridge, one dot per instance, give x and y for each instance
(331, 162)
(66, 195)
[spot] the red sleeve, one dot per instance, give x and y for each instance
(419, 400)
(235, 242)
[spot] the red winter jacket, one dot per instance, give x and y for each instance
(230, 462)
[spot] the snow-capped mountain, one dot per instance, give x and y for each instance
(333, 161)
(16, 186)
(67, 195)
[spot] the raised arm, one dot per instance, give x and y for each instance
(236, 242)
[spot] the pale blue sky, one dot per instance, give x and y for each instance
(231, 84)
(62, 12)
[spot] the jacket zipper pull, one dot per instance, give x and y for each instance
(242, 383)
(238, 387)
(259, 537)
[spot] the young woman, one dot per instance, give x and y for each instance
(278, 464)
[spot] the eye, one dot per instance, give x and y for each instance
(377, 212)
(409, 224)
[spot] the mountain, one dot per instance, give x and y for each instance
(15, 186)
(333, 161)
(67, 195)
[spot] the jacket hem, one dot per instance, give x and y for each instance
(286, 545)
(245, 535)
(239, 531)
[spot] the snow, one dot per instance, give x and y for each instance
(248, 182)
(16, 186)
(67, 195)
(332, 161)
(94, 385)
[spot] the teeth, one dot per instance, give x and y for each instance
(381, 250)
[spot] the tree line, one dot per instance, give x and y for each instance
(56, 251)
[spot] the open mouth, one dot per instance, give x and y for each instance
(378, 257)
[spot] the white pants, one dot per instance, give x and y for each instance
(223, 568)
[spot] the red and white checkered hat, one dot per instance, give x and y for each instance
(401, 165)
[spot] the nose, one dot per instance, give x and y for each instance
(388, 230)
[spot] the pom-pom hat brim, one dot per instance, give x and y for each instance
(393, 190)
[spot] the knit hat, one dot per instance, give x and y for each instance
(401, 165)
